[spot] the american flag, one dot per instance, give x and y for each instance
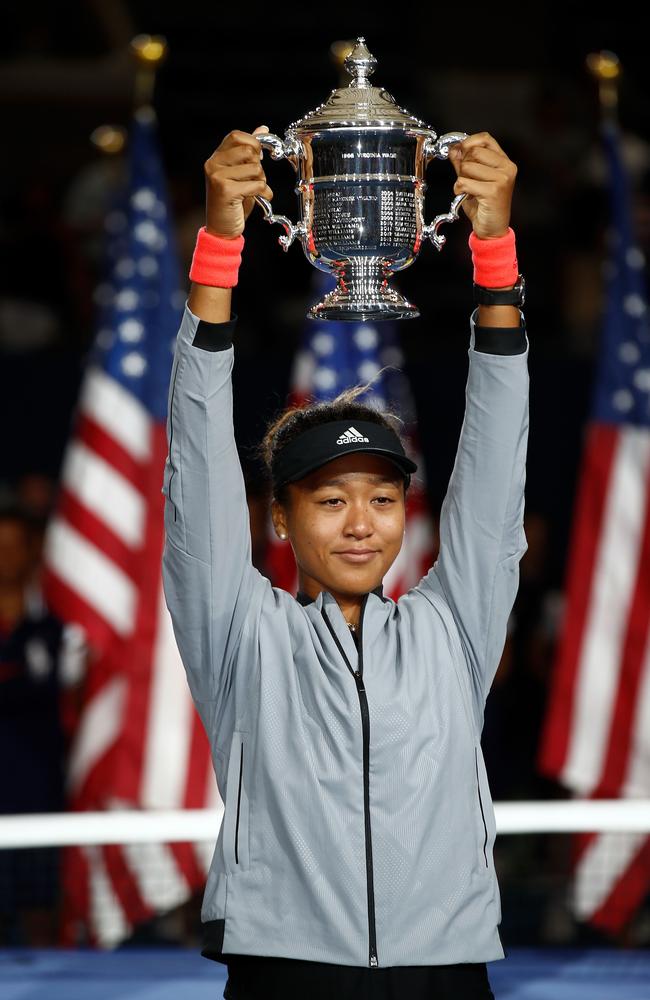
(139, 743)
(332, 357)
(596, 739)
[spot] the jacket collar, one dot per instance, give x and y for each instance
(304, 598)
(377, 611)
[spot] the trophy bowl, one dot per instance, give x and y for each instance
(360, 162)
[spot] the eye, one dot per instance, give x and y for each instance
(336, 500)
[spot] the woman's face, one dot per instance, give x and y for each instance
(353, 502)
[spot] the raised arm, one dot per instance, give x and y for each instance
(210, 584)
(481, 524)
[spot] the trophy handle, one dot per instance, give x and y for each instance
(290, 147)
(439, 148)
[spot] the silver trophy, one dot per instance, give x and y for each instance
(360, 161)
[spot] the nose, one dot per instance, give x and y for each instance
(359, 521)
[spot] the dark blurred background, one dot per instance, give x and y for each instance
(517, 72)
(65, 69)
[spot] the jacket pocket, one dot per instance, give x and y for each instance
(237, 807)
(482, 823)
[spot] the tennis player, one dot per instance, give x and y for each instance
(354, 858)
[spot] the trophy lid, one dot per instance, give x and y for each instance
(359, 104)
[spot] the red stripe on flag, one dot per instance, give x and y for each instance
(97, 440)
(621, 733)
(95, 780)
(124, 885)
(627, 894)
(139, 653)
(96, 531)
(578, 846)
(600, 449)
(70, 606)
(188, 865)
(281, 565)
(75, 901)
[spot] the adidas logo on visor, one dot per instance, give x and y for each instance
(351, 436)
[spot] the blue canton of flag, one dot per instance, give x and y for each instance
(622, 388)
(140, 306)
(337, 355)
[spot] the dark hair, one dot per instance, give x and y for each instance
(292, 421)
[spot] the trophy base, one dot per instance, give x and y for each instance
(362, 293)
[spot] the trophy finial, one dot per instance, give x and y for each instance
(360, 64)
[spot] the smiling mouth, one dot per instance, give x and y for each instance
(356, 556)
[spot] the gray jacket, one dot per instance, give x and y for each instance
(358, 825)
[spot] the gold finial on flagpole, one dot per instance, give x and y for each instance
(606, 68)
(109, 139)
(339, 51)
(149, 52)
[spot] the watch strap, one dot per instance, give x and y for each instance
(504, 297)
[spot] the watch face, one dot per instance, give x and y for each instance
(521, 286)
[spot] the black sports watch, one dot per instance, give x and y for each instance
(510, 297)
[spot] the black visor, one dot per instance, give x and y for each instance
(320, 444)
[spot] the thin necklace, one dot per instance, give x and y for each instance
(352, 625)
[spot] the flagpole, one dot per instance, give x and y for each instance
(149, 52)
(606, 68)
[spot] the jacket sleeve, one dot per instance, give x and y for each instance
(211, 586)
(481, 522)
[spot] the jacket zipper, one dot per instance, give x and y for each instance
(241, 770)
(365, 722)
(480, 802)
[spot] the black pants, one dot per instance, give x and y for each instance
(261, 978)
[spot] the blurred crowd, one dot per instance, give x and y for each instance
(42, 662)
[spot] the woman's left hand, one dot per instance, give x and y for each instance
(487, 177)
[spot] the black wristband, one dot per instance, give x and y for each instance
(507, 297)
(215, 336)
(500, 339)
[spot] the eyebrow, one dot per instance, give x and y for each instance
(376, 480)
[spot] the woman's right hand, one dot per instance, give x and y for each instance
(233, 176)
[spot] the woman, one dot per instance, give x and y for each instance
(354, 857)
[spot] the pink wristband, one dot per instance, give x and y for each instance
(495, 261)
(216, 259)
